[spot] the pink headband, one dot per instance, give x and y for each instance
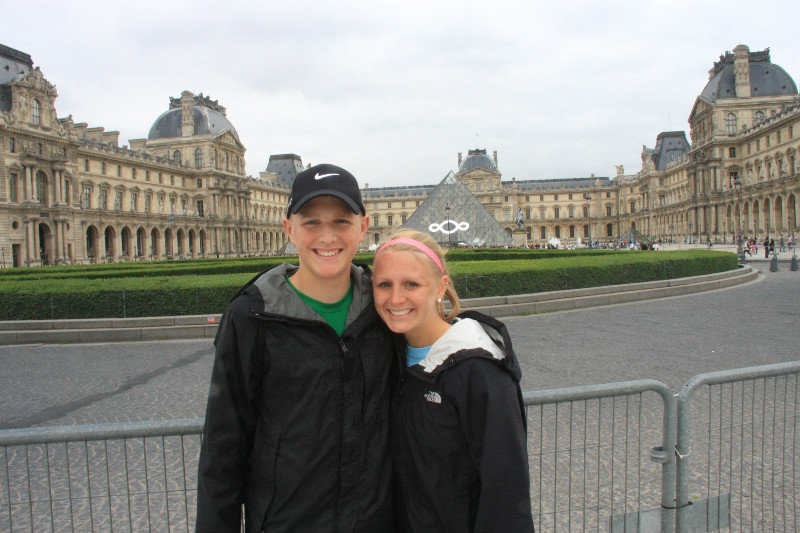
(416, 244)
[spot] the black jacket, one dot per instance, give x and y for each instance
(459, 435)
(297, 420)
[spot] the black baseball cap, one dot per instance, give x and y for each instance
(325, 180)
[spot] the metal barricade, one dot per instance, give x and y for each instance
(591, 459)
(139, 476)
(737, 455)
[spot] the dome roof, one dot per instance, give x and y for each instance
(766, 78)
(477, 159)
(207, 120)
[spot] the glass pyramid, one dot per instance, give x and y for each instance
(453, 216)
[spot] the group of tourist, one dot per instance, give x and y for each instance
(355, 401)
(752, 244)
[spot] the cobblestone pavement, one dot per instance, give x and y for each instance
(597, 448)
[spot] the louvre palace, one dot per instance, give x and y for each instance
(70, 193)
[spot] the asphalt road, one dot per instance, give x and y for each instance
(668, 339)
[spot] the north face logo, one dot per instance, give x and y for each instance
(433, 397)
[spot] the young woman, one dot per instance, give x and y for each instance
(459, 442)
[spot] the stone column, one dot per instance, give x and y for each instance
(36, 255)
(29, 184)
(29, 255)
(57, 252)
(118, 246)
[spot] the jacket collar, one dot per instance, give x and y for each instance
(278, 298)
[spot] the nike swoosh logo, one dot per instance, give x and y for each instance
(320, 176)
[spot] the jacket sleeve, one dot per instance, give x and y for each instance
(229, 425)
(490, 415)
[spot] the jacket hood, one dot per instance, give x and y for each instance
(472, 335)
(274, 296)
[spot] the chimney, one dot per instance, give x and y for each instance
(187, 114)
(459, 159)
(495, 158)
(741, 69)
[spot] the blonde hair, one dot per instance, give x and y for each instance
(450, 293)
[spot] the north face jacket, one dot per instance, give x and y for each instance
(459, 435)
(297, 419)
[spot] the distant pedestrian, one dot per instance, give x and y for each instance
(772, 246)
(766, 248)
(783, 248)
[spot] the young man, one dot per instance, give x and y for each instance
(297, 419)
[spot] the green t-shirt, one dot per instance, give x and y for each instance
(334, 314)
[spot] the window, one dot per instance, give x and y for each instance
(198, 158)
(555, 197)
(570, 197)
(118, 201)
(12, 146)
(388, 220)
(586, 211)
(86, 197)
(778, 136)
(102, 199)
(543, 232)
(730, 123)
(541, 197)
(13, 188)
(507, 213)
(556, 213)
(572, 232)
(609, 230)
(759, 117)
(39, 148)
(491, 199)
(661, 182)
(506, 199)
(36, 112)
(176, 156)
(172, 179)
(586, 231)
(227, 167)
(200, 208)
(732, 152)
(134, 198)
(571, 211)
(200, 185)
(608, 194)
(558, 232)
(541, 212)
(403, 217)
(527, 198)
(66, 192)
(608, 210)
(402, 204)
(389, 205)
(119, 170)
(133, 172)
(103, 167)
(377, 219)
(148, 199)
(527, 213)
(633, 207)
(146, 175)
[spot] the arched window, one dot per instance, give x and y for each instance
(759, 117)
(36, 112)
(176, 155)
(609, 230)
(198, 158)
(730, 123)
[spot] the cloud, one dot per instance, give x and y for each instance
(393, 90)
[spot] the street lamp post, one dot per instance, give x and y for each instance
(737, 186)
(447, 225)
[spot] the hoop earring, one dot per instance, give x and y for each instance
(438, 300)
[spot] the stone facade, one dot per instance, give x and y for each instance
(70, 194)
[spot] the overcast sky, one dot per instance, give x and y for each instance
(392, 91)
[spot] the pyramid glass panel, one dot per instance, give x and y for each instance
(453, 216)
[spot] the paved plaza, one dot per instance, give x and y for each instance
(668, 339)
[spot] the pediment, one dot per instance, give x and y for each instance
(228, 138)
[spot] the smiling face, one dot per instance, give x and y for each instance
(405, 288)
(326, 233)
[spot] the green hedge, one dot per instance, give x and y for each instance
(159, 291)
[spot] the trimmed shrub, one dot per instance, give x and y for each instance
(182, 288)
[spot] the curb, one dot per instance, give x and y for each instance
(205, 326)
